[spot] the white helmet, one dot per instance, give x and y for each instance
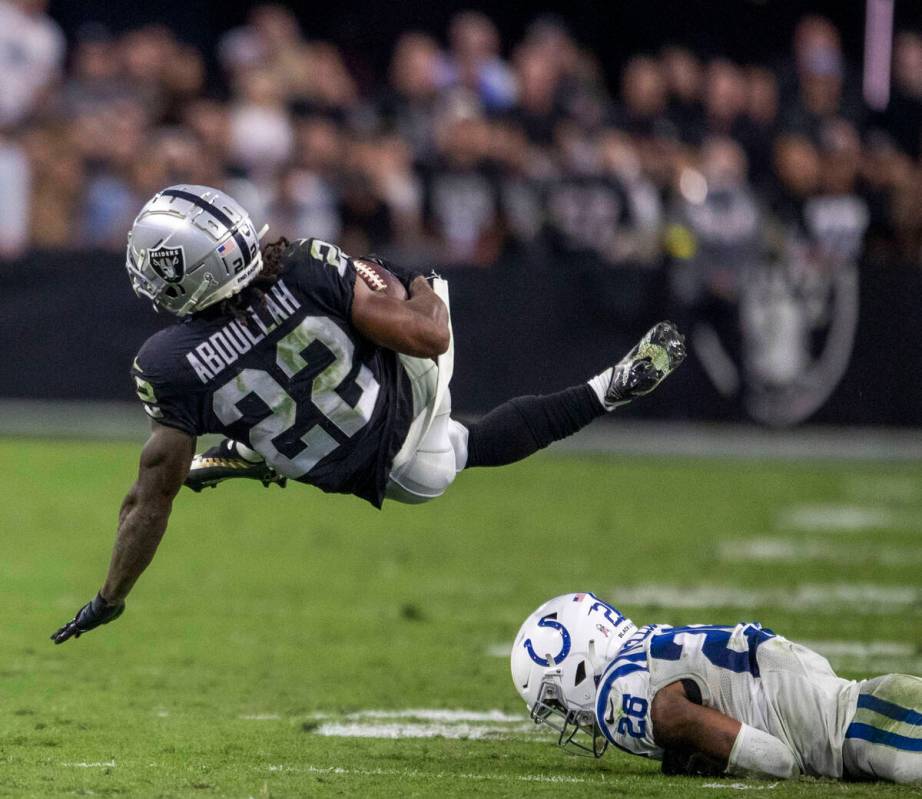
(190, 247)
(558, 655)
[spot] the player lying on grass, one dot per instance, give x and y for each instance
(707, 699)
(311, 374)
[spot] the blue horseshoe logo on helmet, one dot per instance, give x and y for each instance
(547, 621)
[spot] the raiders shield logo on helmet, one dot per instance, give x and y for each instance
(169, 263)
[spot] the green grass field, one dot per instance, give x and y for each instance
(275, 626)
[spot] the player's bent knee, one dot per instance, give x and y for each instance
(427, 476)
(457, 437)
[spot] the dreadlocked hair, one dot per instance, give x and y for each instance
(255, 292)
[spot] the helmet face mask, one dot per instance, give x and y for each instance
(191, 247)
(557, 658)
(573, 726)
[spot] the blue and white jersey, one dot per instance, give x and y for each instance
(623, 697)
(746, 672)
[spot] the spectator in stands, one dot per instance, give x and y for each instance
(890, 184)
(581, 91)
(57, 185)
(209, 120)
(820, 92)
(799, 175)
(303, 202)
(409, 106)
(389, 167)
(109, 140)
(599, 205)
(462, 195)
(145, 56)
(685, 82)
(381, 198)
(95, 77)
(15, 190)
(31, 55)
(537, 109)
(724, 101)
(839, 216)
(460, 151)
(639, 229)
(475, 63)
(645, 98)
(903, 117)
(523, 171)
(271, 39)
(261, 131)
(762, 107)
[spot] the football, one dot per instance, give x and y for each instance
(377, 278)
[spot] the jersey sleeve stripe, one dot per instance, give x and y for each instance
(866, 732)
(623, 671)
(890, 709)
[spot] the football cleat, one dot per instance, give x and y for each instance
(224, 462)
(652, 360)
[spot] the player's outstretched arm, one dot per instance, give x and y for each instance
(143, 520)
(417, 326)
(680, 725)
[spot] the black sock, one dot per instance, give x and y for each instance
(522, 426)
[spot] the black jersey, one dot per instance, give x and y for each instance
(290, 376)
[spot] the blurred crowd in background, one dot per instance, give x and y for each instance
(468, 148)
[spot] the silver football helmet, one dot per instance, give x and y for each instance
(190, 247)
(557, 658)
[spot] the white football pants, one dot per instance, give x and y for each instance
(884, 738)
(435, 448)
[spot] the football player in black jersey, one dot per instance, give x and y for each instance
(309, 375)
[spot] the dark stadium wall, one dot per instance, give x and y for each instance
(71, 327)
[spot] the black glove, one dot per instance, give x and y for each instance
(685, 763)
(405, 276)
(89, 617)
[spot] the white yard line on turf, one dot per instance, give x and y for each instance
(413, 723)
(437, 714)
(842, 518)
(741, 786)
(862, 649)
(859, 598)
(104, 764)
(870, 657)
(794, 550)
(396, 730)
(883, 488)
(435, 775)
(423, 723)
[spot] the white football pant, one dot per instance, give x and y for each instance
(435, 448)
(884, 738)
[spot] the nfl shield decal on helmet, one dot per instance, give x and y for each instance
(169, 263)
